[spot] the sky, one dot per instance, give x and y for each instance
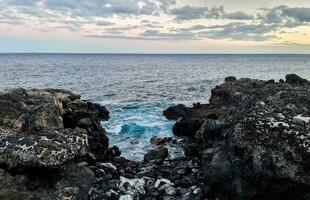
(155, 26)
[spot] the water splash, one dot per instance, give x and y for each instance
(133, 125)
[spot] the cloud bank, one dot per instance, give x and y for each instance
(151, 19)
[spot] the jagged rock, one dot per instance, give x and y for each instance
(175, 112)
(29, 110)
(156, 154)
(44, 136)
(47, 149)
(187, 127)
(257, 144)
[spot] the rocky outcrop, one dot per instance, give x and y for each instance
(253, 139)
(44, 134)
(53, 147)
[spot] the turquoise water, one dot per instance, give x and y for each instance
(132, 126)
(137, 88)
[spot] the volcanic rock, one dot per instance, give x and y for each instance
(257, 145)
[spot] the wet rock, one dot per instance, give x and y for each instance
(156, 154)
(230, 79)
(114, 151)
(108, 166)
(185, 127)
(160, 141)
(294, 79)
(175, 112)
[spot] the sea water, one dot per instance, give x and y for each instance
(137, 88)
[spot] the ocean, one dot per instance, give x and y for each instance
(137, 88)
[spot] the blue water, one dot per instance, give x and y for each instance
(136, 88)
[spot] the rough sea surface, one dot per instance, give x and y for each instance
(137, 88)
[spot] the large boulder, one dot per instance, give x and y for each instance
(294, 79)
(257, 146)
(156, 154)
(187, 127)
(43, 136)
(175, 112)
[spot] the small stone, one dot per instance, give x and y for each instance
(126, 197)
(108, 166)
(162, 181)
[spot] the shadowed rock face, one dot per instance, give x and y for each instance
(42, 134)
(254, 141)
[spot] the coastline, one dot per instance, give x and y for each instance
(250, 142)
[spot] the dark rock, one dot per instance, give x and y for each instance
(197, 105)
(175, 112)
(294, 79)
(210, 130)
(254, 147)
(186, 127)
(47, 139)
(114, 151)
(156, 154)
(230, 79)
(271, 81)
(160, 141)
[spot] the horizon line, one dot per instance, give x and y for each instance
(116, 53)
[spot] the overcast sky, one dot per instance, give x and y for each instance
(155, 26)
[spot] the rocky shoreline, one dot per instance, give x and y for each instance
(252, 141)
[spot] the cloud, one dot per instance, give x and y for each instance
(288, 17)
(240, 31)
(300, 14)
(84, 8)
(25, 3)
(180, 35)
(239, 16)
(190, 13)
(104, 23)
(150, 35)
(153, 19)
